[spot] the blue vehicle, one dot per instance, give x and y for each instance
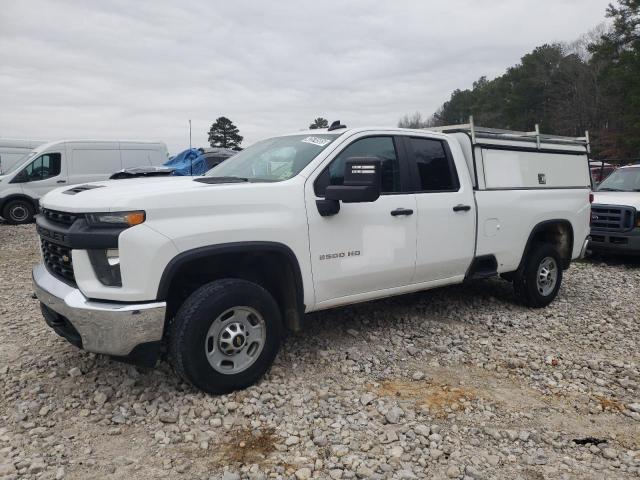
(190, 162)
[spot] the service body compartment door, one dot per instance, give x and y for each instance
(446, 209)
(512, 169)
(363, 248)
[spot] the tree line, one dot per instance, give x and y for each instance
(591, 84)
(223, 133)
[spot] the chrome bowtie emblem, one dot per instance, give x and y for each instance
(65, 258)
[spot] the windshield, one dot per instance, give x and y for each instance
(275, 159)
(20, 163)
(622, 180)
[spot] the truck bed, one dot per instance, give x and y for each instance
(521, 182)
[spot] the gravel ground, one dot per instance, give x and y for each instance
(454, 383)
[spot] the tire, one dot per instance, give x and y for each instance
(218, 319)
(531, 292)
(18, 212)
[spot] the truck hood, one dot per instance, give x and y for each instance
(140, 194)
(630, 199)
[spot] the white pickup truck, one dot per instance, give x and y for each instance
(615, 215)
(213, 269)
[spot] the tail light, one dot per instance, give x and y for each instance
(590, 197)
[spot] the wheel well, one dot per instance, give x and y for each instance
(11, 198)
(558, 233)
(273, 269)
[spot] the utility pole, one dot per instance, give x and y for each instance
(191, 162)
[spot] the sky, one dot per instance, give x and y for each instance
(124, 70)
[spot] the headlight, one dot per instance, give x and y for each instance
(116, 219)
(106, 264)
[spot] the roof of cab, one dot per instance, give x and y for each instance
(342, 131)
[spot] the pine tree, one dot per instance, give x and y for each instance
(223, 133)
(319, 123)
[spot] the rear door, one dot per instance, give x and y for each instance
(364, 248)
(446, 213)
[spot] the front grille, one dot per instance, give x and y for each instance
(57, 259)
(619, 240)
(612, 218)
(54, 216)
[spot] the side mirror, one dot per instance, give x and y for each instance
(21, 177)
(362, 183)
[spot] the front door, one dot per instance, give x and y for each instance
(43, 174)
(365, 247)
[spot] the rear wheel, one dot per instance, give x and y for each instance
(18, 212)
(540, 281)
(225, 336)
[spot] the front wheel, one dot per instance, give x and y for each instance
(225, 336)
(539, 283)
(18, 212)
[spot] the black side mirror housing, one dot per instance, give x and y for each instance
(21, 177)
(362, 183)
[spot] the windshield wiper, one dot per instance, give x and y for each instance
(607, 189)
(213, 180)
(264, 179)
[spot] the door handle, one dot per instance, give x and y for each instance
(401, 211)
(61, 181)
(461, 208)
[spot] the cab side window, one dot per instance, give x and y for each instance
(43, 167)
(436, 171)
(382, 148)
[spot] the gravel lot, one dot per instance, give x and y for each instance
(455, 383)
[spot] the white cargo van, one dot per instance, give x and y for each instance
(68, 162)
(12, 151)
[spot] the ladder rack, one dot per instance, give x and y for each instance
(477, 132)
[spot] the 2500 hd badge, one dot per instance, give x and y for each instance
(331, 256)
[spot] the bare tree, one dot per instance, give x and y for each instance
(413, 121)
(580, 46)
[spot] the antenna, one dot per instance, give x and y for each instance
(335, 126)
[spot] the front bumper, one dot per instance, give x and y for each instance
(97, 326)
(583, 249)
(627, 242)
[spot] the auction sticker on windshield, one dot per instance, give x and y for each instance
(321, 142)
